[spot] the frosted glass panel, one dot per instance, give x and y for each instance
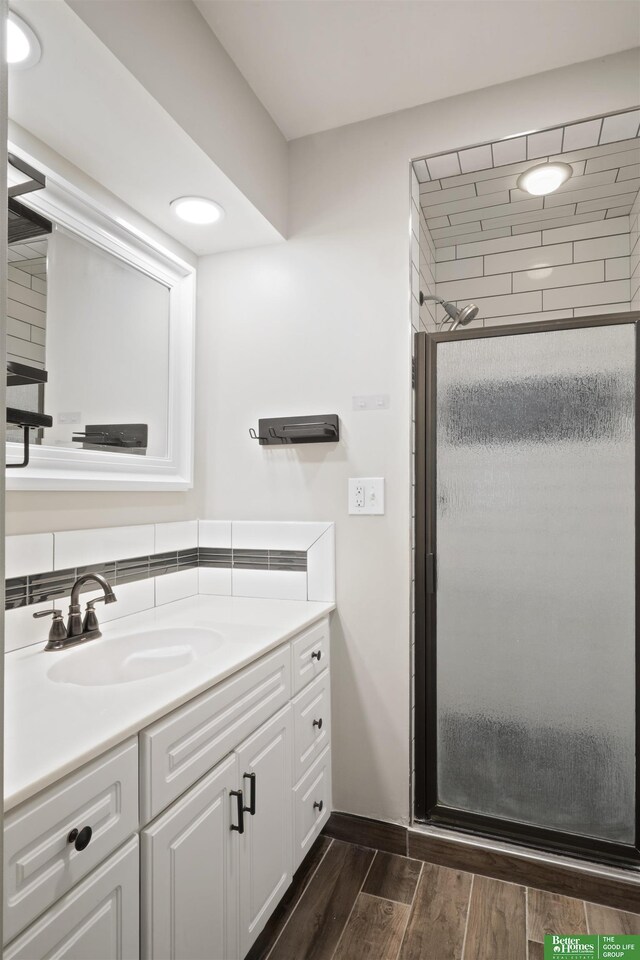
(536, 579)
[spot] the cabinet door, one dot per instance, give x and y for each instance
(266, 846)
(97, 920)
(189, 874)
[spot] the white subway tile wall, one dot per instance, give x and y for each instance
(270, 584)
(475, 190)
(634, 254)
(275, 535)
(79, 548)
(176, 536)
(215, 581)
(422, 264)
(215, 534)
(555, 274)
(27, 302)
(30, 553)
(176, 586)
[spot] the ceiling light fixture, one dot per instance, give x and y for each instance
(23, 46)
(544, 178)
(197, 210)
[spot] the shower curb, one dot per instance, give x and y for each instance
(617, 887)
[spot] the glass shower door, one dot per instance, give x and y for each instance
(534, 539)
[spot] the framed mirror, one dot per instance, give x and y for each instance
(109, 315)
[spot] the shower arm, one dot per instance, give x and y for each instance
(460, 317)
(449, 308)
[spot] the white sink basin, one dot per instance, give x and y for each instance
(136, 656)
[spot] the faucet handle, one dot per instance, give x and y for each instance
(90, 621)
(56, 614)
(58, 631)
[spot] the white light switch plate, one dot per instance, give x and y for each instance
(366, 496)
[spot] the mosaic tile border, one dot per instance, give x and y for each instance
(42, 587)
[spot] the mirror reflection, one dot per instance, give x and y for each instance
(100, 327)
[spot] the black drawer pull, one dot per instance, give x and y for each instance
(318, 806)
(252, 795)
(316, 655)
(318, 723)
(80, 838)
(238, 795)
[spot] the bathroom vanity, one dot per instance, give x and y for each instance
(195, 792)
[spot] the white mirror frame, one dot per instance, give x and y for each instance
(59, 468)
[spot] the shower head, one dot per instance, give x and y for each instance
(460, 316)
(464, 315)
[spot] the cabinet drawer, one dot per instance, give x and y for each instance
(310, 655)
(97, 920)
(311, 724)
(314, 788)
(179, 749)
(40, 864)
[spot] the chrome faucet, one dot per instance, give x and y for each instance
(77, 629)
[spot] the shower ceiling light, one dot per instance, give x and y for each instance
(197, 210)
(544, 178)
(23, 47)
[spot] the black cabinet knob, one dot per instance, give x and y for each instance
(318, 723)
(80, 838)
(318, 806)
(316, 655)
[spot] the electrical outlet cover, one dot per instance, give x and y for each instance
(366, 496)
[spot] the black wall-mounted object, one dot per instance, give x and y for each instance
(123, 437)
(323, 428)
(24, 223)
(19, 374)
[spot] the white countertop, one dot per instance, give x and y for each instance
(52, 728)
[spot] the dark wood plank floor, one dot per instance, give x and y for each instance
(349, 902)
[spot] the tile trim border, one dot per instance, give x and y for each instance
(42, 587)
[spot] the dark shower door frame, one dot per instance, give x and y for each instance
(426, 805)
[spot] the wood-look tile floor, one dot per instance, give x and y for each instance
(353, 903)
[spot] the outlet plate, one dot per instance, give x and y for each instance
(366, 496)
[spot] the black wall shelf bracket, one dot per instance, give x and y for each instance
(36, 179)
(19, 374)
(275, 431)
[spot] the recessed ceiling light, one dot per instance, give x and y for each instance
(23, 47)
(544, 178)
(197, 210)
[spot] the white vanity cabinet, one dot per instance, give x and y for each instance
(198, 824)
(266, 858)
(42, 857)
(97, 920)
(189, 864)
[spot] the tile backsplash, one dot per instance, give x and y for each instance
(153, 564)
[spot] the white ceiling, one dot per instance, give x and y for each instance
(318, 65)
(85, 105)
(472, 194)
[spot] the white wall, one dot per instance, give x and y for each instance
(301, 328)
(186, 69)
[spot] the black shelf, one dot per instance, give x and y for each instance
(19, 374)
(28, 418)
(323, 428)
